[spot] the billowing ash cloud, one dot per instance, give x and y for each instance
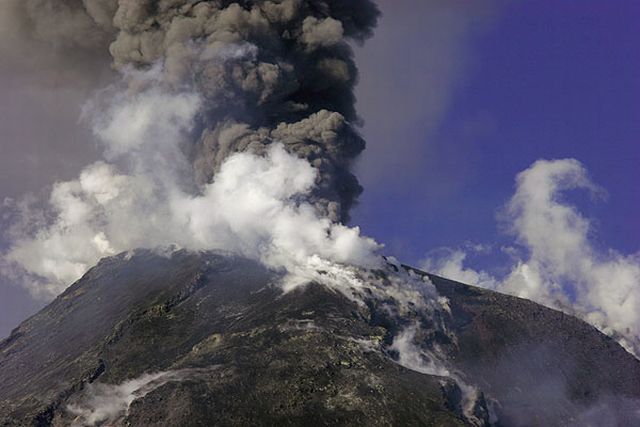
(562, 268)
(265, 71)
(231, 127)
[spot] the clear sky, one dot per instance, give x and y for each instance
(457, 97)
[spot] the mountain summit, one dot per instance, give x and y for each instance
(198, 339)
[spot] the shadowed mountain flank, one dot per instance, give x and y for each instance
(207, 338)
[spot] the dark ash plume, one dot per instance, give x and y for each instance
(277, 70)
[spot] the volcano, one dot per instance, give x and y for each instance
(195, 339)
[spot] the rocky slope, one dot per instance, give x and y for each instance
(210, 339)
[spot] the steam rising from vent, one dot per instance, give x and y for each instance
(231, 127)
(99, 403)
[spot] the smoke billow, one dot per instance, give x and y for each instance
(231, 127)
(264, 70)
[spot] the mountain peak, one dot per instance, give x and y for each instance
(190, 338)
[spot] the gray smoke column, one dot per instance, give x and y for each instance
(266, 71)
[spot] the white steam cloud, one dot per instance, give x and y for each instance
(563, 268)
(140, 196)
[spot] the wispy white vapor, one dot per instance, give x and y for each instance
(563, 268)
(100, 403)
(413, 357)
(141, 197)
(450, 263)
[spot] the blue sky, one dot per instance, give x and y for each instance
(522, 81)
